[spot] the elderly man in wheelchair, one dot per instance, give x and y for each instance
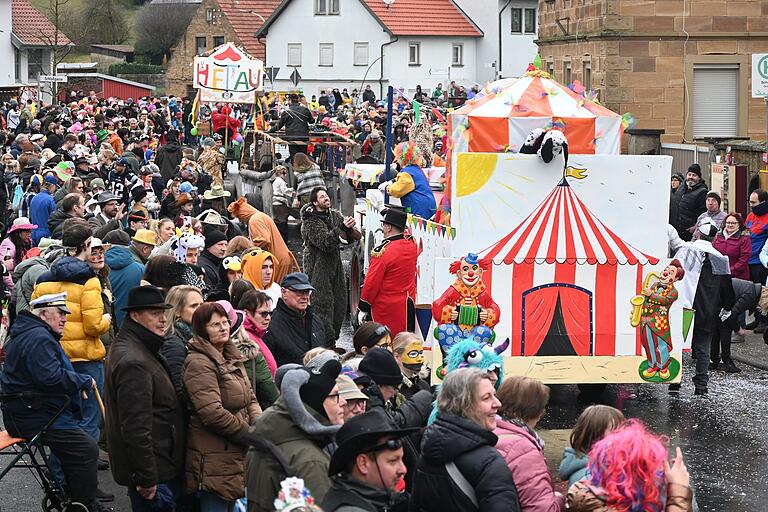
(41, 394)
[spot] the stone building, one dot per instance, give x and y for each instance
(683, 66)
(216, 22)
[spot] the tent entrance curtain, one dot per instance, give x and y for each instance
(557, 321)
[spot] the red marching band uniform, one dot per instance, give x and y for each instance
(389, 291)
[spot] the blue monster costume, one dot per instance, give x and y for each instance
(469, 353)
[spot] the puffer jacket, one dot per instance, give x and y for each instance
(124, 275)
(174, 352)
(258, 374)
(585, 498)
(573, 467)
(471, 448)
(525, 459)
(223, 406)
(687, 205)
(86, 321)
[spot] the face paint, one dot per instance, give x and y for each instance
(413, 357)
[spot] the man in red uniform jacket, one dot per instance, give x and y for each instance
(389, 290)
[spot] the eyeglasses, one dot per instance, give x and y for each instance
(389, 444)
(356, 403)
(264, 314)
(335, 397)
(218, 325)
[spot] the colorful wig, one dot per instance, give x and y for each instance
(408, 153)
(628, 465)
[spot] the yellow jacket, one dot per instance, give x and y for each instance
(86, 321)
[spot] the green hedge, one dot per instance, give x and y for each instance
(133, 68)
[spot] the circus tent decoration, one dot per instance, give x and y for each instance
(506, 111)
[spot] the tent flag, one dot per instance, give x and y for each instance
(416, 112)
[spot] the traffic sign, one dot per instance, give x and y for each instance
(760, 75)
(61, 79)
(271, 73)
(295, 77)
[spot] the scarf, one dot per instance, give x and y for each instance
(520, 423)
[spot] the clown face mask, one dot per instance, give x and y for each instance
(470, 271)
(413, 357)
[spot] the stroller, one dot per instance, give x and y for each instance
(31, 454)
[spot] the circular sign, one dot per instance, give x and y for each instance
(762, 67)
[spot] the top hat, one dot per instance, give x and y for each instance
(395, 217)
(145, 297)
(359, 435)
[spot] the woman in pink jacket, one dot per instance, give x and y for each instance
(734, 242)
(523, 404)
(258, 312)
(15, 246)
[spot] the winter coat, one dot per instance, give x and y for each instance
(296, 120)
(738, 249)
(687, 205)
(36, 363)
(291, 335)
(322, 263)
(257, 336)
(573, 467)
(174, 352)
(349, 495)
(525, 459)
(300, 434)
(25, 276)
(757, 224)
(56, 222)
(258, 374)
(145, 420)
(471, 448)
(40, 209)
(8, 256)
(585, 498)
(168, 159)
(223, 405)
(101, 226)
(747, 295)
(308, 178)
(213, 270)
(124, 275)
(86, 321)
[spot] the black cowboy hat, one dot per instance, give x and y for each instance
(145, 297)
(361, 434)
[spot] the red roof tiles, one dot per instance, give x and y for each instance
(32, 27)
(423, 18)
(243, 15)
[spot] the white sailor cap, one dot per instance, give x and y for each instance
(51, 300)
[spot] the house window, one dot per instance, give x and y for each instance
(327, 7)
(586, 76)
(199, 45)
(715, 100)
(34, 64)
(212, 15)
(218, 40)
(17, 64)
(567, 72)
(457, 54)
(294, 54)
(551, 68)
(530, 21)
(517, 20)
(326, 54)
(414, 54)
(361, 54)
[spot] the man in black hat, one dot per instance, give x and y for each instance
(110, 216)
(367, 467)
(296, 120)
(294, 328)
(688, 203)
(145, 421)
(137, 220)
(211, 259)
(389, 290)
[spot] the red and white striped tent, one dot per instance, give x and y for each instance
(507, 110)
(562, 255)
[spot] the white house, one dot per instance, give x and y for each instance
(510, 28)
(349, 43)
(26, 49)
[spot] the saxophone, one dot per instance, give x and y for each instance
(637, 301)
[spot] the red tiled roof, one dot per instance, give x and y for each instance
(423, 18)
(32, 27)
(242, 16)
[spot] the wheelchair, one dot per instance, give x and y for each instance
(31, 454)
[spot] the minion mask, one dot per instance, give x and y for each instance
(413, 357)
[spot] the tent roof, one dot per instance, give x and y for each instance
(531, 97)
(562, 230)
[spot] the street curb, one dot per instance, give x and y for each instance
(750, 361)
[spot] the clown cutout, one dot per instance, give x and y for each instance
(653, 306)
(411, 184)
(466, 309)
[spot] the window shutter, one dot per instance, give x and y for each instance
(716, 100)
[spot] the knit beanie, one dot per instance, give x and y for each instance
(213, 237)
(319, 386)
(695, 168)
(380, 365)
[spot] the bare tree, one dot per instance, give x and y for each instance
(160, 26)
(57, 12)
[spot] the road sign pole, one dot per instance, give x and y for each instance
(388, 159)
